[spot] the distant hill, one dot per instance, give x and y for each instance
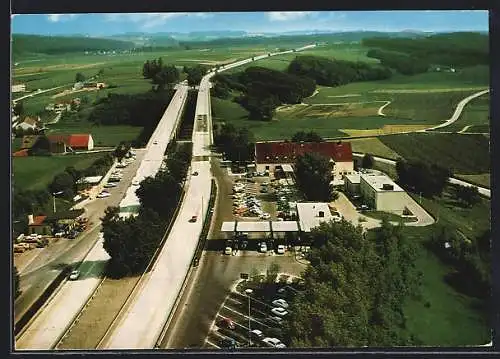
(24, 45)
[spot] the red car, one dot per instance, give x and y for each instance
(226, 323)
(193, 219)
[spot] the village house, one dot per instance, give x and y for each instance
(32, 123)
(70, 143)
(18, 88)
(270, 155)
(38, 225)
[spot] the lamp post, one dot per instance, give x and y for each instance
(248, 292)
(54, 194)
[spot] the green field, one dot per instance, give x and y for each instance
(390, 216)
(32, 173)
(463, 154)
(104, 136)
(475, 114)
(483, 180)
(373, 146)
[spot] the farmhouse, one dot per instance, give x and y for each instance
(38, 225)
(29, 123)
(380, 192)
(65, 143)
(269, 155)
(18, 88)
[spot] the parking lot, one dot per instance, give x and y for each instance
(230, 328)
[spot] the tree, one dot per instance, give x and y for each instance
(15, 282)
(63, 182)
(314, 175)
(152, 193)
(18, 109)
(468, 195)
(166, 77)
(272, 272)
(303, 136)
(430, 180)
(195, 74)
(367, 161)
(75, 175)
(220, 90)
(79, 77)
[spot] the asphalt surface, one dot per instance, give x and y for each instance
(53, 259)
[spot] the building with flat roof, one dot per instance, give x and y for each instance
(381, 193)
(270, 155)
(351, 183)
(311, 214)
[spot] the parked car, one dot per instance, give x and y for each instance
(227, 343)
(281, 312)
(195, 173)
(276, 320)
(193, 219)
(74, 275)
(265, 216)
(281, 249)
(280, 303)
(135, 183)
(155, 142)
(257, 334)
(226, 323)
(228, 251)
(273, 342)
(103, 194)
(280, 346)
(110, 185)
(263, 247)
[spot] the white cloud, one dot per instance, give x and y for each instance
(149, 20)
(60, 17)
(287, 15)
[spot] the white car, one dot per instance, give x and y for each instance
(263, 247)
(135, 183)
(265, 216)
(280, 345)
(110, 185)
(281, 312)
(271, 341)
(277, 319)
(74, 275)
(103, 195)
(281, 249)
(280, 303)
(228, 251)
(257, 333)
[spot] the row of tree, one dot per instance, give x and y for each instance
(160, 74)
(131, 242)
(421, 177)
(354, 289)
(451, 49)
(194, 74)
(263, 90)
(401, 62)
(237, 144)
(332, 72)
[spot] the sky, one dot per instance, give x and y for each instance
(253, 22)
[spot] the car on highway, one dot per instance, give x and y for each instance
(74, 275)
(193, 219)
(280, 303)
(103, 194)
(280, 249)
(281, 312)
(263, 247)
(273, 342)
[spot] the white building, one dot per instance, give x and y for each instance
(18, 88)
(381, 193)
(312, 214)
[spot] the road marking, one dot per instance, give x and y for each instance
(246, 317)
(212, 344)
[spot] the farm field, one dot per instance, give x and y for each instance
(32, 173)
(463, 154)
(373, 146)
(483, 180)
(104, 136)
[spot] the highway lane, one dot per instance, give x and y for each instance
(45, 330)
(47, 266)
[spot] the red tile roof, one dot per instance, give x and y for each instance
(74, 141)
(21, 153)
(38, 220)
(287, 152)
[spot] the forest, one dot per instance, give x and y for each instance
(458, 49)
(53, 45)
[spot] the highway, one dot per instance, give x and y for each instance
(45, 329)
(147, 315)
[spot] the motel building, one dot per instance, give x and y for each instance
(377, 190)
(273, 156)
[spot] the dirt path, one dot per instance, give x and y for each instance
(380, 113)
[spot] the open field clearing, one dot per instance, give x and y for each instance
(483, 180)
(462, 154)
(476, 88)
(103, 135)
(31, 173)
(373, 146)
(339, 109)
